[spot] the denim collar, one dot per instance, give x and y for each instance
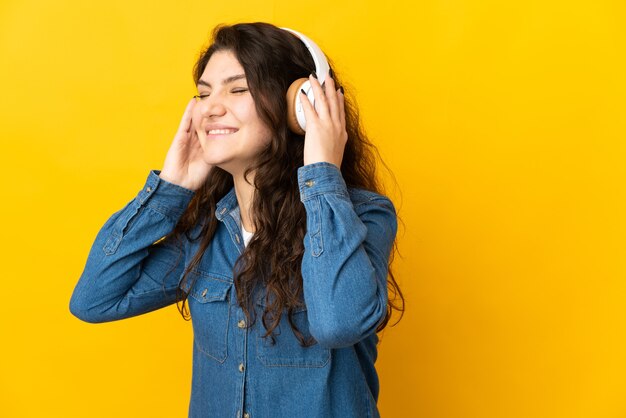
(228, 205)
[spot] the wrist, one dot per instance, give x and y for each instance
(310, 161)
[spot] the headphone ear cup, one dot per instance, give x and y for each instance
(292, 97)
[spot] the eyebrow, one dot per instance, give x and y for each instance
(224, 81)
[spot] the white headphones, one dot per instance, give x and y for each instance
(295, 112)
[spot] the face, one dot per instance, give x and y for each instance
(229, 129)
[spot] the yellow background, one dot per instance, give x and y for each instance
(503, 122)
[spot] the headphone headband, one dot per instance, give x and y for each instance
(321, 64)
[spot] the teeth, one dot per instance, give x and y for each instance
(221, 131)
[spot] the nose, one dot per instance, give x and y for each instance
(212, 106)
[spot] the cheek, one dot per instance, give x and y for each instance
(265, 135)
(261, 130)
(262, 135)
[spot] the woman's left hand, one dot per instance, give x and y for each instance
(326, 135)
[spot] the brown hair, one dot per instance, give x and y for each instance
(272, 59)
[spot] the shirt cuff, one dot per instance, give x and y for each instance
(319, 178)
(165, 197)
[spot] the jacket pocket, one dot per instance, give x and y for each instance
(210, 314)
(287, 351)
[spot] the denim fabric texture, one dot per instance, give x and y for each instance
(236, 372)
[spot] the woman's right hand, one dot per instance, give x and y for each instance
(184, 165)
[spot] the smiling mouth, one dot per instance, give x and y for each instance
(214, 132)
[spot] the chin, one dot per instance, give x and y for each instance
(227, 166)
(227, 163)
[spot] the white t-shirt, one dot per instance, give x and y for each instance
(246, 235)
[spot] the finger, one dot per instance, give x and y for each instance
(195, 147)
(331, 97)
(185, 122)
(341, 108)
(320, 98)
(193, 137)
(307, 107)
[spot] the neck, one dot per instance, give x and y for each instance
(245, 195)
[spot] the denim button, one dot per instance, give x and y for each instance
(309, 183)
(237, 238)
(204, 292)
(148, 189)
(246, 415)
(241, 324)
(241, 367)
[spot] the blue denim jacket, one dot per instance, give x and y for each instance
(237, 373)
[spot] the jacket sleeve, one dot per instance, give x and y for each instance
(128, 272)
(345, 262)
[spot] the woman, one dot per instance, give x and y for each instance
(259, 214)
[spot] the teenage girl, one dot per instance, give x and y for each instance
(268, 220)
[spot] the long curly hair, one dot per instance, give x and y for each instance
(272, 59)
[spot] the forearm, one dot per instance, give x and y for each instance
(125, 274)
(344, 265)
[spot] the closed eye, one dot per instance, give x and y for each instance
(205, 95)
